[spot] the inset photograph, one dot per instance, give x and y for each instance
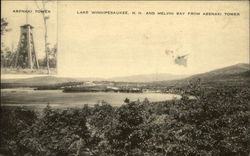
(29, 37)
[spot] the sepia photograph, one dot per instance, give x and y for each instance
(28, 37)
(124, 78)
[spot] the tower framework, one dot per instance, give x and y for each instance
(26, 56)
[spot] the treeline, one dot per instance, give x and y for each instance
(58, 86)
(215, 123)
(8, 58)
(39, 86)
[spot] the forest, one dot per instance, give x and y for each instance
(214, 123)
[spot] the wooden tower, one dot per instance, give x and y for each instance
(26, 56)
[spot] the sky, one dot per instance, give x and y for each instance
(123, 45)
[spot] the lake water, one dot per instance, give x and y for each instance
(58, 99)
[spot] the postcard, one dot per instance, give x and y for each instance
(124, 78)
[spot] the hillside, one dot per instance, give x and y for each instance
(224, 72)
(238, 74)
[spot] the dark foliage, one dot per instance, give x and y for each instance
(214, 122)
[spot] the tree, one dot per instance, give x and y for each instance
(126, 100)
(52, 53)
(53, 56)
(45, 18)
(129, 133)
(4, 25)
(6, 55)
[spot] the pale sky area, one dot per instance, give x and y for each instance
(123, 45)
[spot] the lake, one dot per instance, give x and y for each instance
(40, 98)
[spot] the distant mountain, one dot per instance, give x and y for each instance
(147, 78)
(224, 72)
(235, 75)
(90, 79)
(136, 78)
(41, 80)
(238, 74)
(231, 72)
